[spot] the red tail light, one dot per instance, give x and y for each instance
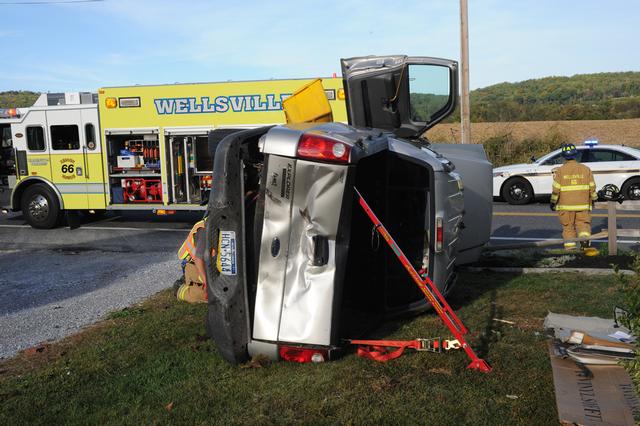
(439, 234)
(297, 354)
(316, 147)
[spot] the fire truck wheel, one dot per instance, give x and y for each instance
(40, 207)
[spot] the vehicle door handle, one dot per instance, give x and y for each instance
(320, 250)
(84, 160)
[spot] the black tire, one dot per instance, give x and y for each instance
(631, 189)
(517, 191)
(40, 207)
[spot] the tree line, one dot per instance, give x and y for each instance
(600, 96)
(17, 98)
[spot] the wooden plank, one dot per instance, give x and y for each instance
(628, 232)
(547, 243)
(612, 227)
(626, 205)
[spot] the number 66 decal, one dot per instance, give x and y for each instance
(67, 168)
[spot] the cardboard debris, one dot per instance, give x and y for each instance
(597, 395)
(604, 329)
(591, 340)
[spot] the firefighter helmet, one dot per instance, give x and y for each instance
(569, 151)
(609, 192)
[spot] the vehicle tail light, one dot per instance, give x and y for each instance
(299, 354)
(322, 148)
(439, 234)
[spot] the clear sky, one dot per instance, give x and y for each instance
(82, 46)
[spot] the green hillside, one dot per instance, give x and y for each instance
(602, 96)
(17, 99)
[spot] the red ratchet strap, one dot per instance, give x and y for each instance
(430, 291)
(378, 350)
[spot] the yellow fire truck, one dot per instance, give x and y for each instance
(135, 147)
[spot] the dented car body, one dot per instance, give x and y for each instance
(298, 266)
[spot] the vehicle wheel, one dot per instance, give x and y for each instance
(517, 190)
(631, 189)
(40, 207)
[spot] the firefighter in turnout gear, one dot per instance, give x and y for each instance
(194, 287)
(574, 193)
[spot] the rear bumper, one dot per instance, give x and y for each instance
(228, 314)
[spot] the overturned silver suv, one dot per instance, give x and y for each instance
(298, 266)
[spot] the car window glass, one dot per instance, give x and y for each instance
(555, 160)
(65, 137)
(621, 156)
(599, 155)
(35, 139)
(429, 91)
(90, 136)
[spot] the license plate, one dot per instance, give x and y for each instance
(227, 263)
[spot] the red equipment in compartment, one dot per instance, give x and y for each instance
(205, 182)
(142, 190)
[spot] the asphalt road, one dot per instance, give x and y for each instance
(55, 282)
(532, 222)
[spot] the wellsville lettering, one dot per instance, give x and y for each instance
(220, 104)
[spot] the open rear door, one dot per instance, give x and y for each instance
(405, 95)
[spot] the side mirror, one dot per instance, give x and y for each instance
(533, 159)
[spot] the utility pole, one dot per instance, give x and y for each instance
(465, 110)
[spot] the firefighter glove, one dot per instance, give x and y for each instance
(552, 206)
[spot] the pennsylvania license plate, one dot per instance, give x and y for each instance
(227, 262)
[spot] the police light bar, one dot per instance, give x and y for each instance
(591, 142)
(9, 113)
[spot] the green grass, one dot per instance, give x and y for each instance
(129, 367)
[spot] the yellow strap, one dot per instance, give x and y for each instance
(564, 188)
(584, 234)
(574, 207)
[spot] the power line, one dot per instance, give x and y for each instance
(21, 3)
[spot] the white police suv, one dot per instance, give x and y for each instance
(610, 164)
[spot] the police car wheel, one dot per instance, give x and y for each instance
(517, 191)
(631, 189)
(40, 207)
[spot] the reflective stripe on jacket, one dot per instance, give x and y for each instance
(573, 187)
(187, 250)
